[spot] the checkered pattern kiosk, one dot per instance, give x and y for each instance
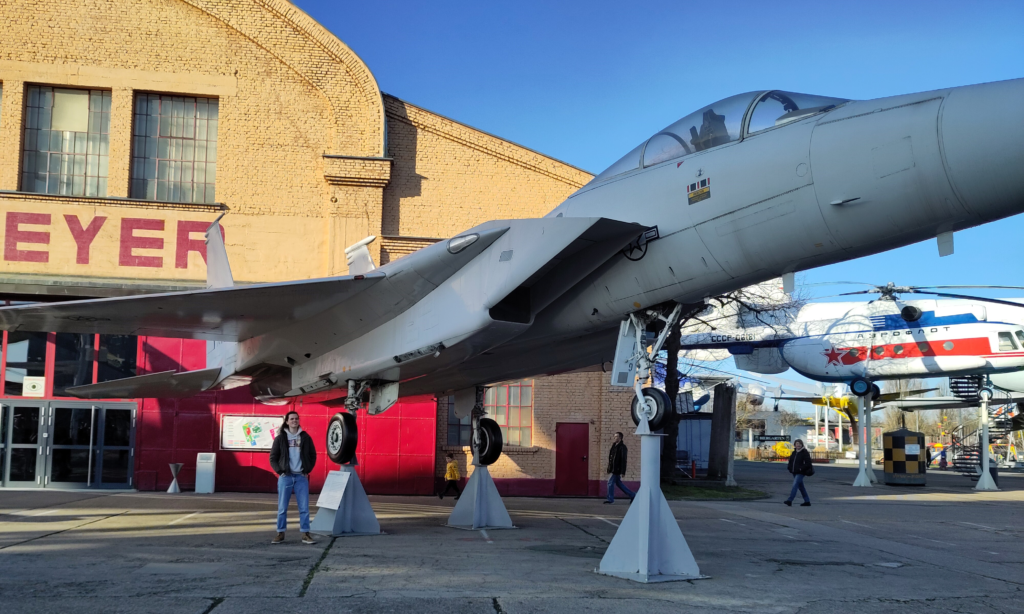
(905, 455)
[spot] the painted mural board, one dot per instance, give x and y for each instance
(255, 433)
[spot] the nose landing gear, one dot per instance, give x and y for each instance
(342, 434)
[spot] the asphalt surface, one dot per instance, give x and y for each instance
(941, 548)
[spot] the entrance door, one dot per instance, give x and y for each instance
(67, 444)
(91, 445)
(572, 448)
(24, 440)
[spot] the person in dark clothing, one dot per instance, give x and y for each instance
(617, 469)
(451, 477)
(799, 465)
(292, 457)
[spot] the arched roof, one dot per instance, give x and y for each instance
(313, 52)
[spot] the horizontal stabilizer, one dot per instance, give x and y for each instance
(166, 384)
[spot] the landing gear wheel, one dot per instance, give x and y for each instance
(657, 398)
(342, 438)
(875, 392)
(488, 449)
(860, 387)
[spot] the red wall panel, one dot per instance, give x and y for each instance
(395, 454)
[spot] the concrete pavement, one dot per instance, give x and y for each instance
(887, 549)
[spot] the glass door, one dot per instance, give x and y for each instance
(115, 455)
(91, 445)
(70, 457)
(24, 444)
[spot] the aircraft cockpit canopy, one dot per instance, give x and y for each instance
(721, 123)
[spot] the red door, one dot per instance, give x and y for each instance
(572, 448)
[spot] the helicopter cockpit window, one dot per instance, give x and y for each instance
(1006, 343)
(778, 108)
(714, 125)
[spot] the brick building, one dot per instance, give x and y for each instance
(127, 126)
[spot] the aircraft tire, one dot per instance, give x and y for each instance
(860, 387)
(663, 405)
(342, 437)
(875, 392)
(489, 449)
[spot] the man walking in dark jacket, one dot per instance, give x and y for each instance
(617, 469)
(292, 458)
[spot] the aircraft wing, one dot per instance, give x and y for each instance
(895, 396)
(221, 314)
(242, 312)
(948, 403)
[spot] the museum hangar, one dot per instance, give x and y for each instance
(128, 126)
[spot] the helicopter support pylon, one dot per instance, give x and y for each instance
(863, 448)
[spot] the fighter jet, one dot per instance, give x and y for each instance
(751, 187)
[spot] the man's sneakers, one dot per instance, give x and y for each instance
(788, 502)
(308, 539)
(279, 539)
(607, 502)
(805, 504)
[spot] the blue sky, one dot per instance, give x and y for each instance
(585, 82)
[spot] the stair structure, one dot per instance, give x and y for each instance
(965, 446)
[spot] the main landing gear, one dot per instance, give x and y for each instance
(480, 506)
(342, 434)
(866, 392)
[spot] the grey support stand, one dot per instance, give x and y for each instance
(480, 506)
(173, 488)
(344, 508)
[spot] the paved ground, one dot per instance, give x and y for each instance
(943, 548)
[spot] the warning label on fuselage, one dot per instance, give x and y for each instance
(698, 191)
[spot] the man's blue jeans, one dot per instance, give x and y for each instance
(613, 481)
(798, 483)
(286, 485)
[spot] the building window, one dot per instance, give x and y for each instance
(511, 406)
(459, 430)
(67, 141)
(73, 359)
(174, 148)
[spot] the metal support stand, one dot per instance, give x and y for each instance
(479, 506)
(344, 508)
(869, 443)
(173, 488)
(985, 481)
(863, 460)
(649, 546)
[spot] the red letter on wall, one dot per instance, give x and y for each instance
(130, 242)
(84, 236)
(15, 235)
(186, 244)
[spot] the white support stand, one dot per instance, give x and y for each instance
(480, 506)
(344, 507)
(863, 461)
(649, 546)
(173, 488)
(870, 443)
(985, 481)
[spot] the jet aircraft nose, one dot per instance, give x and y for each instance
(982, 136)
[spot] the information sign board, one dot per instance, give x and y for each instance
(248, 432)
(773, 437)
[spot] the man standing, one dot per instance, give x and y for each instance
(292, 457)
(617, 469)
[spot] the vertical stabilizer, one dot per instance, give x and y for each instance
(218, 270)
(359, 259)
(221, 354)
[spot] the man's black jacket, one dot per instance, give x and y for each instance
(617, 459)
(279, 460)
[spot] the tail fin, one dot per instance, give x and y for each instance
(218, 270)
(358, 256)
(221, 354)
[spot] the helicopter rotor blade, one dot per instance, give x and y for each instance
(978, 287)
(969, 298)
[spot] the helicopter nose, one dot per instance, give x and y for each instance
(982, 128)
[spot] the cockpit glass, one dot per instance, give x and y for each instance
(714, 125)
(1006, 342)
(778, 108)
(1020, 337)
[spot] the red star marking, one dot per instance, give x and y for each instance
(834, 356)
